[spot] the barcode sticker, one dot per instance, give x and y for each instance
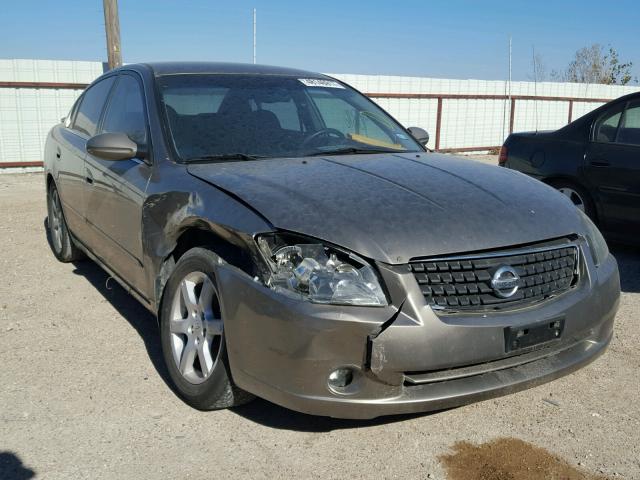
(320, 82)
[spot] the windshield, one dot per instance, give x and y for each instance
(242, 117)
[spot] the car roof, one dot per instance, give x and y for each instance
(174, 68)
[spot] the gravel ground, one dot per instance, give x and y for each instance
(83, 393)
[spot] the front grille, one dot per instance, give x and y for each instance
(465, 282)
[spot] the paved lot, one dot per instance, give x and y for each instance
(83, 393)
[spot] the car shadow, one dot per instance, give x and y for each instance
(262, 411)
(143, 321)
(11, 467)
(274, 416)
(259, 411)
(628, 258)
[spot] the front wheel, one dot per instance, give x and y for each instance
(192, 334)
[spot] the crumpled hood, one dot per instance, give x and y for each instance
(394, 207)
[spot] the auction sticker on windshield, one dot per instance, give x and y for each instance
(320, 82)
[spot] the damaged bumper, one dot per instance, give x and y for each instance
(403, 358)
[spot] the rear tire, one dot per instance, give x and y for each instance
(60, 242)
(578, 196)
(192, 335)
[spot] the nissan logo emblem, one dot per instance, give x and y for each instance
(505, 281)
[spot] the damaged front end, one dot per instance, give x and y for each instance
(353, 361)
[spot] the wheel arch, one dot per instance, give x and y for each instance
(555, 180)
(50, 181)
(232, 248)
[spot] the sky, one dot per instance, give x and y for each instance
(444, 39)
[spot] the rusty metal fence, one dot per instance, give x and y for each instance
(511, 110)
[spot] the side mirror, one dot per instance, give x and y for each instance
(112, 146)
(420, 134)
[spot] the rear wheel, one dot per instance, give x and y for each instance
(578, 196)
(61, 242)
(192, 331)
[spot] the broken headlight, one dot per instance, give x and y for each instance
(306, 269)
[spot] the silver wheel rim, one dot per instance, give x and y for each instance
(196, 327)
(55, 221)
(574, 196)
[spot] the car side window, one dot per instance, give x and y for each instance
(606, 127)
(344, 117)
(629, 132)
(91, 106)
(125, 113)
(68, 121)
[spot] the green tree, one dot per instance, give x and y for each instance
(594, 64)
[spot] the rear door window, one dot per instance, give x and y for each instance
(606, 128)
(91, 106)
(629, 132)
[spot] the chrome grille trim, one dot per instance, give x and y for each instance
(464, 282)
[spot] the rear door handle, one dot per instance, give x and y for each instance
(58, 152)
(600, 164)
(89, 180)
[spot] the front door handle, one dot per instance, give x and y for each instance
(89, 180)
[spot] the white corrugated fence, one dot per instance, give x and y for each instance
(459, 114)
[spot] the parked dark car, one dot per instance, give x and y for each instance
(298, 244)
(595, 161)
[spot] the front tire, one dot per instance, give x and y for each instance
(61, 242)
(192, 335)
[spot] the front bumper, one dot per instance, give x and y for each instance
(405, 357)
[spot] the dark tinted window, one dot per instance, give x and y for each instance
(630, 127)
(91, 106)
(125, 113)
(606, 127)
(273, 116)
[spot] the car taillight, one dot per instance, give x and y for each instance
(504, 156)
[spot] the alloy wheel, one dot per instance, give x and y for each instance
(196, 327)
(574, 196)
(55, 220)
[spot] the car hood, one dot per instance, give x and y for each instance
(395, 207)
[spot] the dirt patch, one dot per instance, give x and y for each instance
(508, 459)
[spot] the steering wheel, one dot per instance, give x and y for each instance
(325, 132)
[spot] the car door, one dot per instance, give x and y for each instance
(115, 192)
(613, 167)
(70, 152)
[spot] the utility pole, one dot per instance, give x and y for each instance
(510, 54)
(254, 35)
(112, 28)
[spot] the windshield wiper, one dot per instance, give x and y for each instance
(354, 150)
(222, 157)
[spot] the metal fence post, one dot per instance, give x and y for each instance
(438, 123)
